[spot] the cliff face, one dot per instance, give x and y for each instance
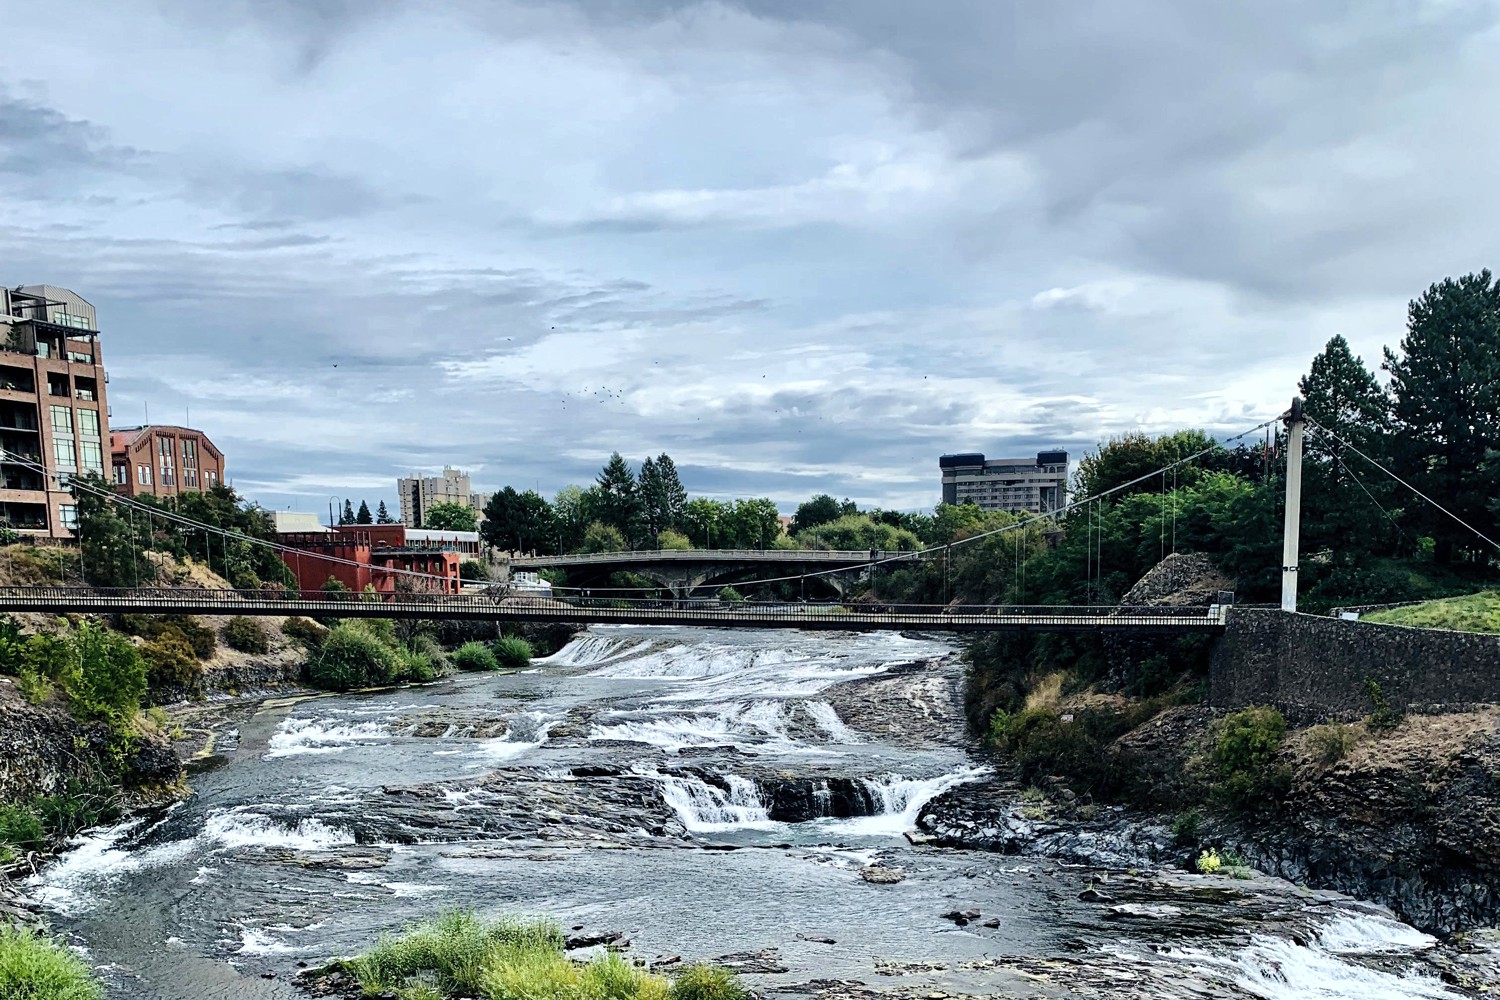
(42, 748)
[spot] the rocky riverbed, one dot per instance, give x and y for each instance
(778, 802)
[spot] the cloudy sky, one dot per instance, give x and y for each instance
(800, 245)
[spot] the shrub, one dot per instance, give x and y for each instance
(170, 664)
(305, 631)
(107, 679)
(475, 656)
(34, 967)
(1330, 744)
(76, 808)
(512, 651)
(22, 828)
(452, 952)
(600, 537)
(35, 688)
(246, 635)
(12, 643)
(1042, 744)
(673, 541)
(200, 637)
(473, 569)
(1209, 862)
(46, 656)
(351, 657)
(1384, 716)
(414, 666)
(707, 982)
(1185, 827)
(731, 596)
(1244, 759)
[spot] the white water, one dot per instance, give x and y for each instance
(524, 732)
(238, 828)
(704, 808)
(317, 736)
(897, 801)
(828, 720)
(754, 727)
(71, 885)
(1279, 969)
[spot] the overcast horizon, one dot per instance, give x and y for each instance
(802, 246)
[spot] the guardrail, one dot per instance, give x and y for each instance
(585, 611)
(855, 557)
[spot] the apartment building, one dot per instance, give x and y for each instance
(54, 418)
(418, 493)
(1014, 484)
(163, 460)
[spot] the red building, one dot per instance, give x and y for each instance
(164, 460)
(371, 555)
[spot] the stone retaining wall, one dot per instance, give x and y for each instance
(1314, 668)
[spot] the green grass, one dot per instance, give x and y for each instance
(34, 967)
(461, 954)
(1473, 613)
(512, 652)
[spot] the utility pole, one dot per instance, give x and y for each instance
(1295, 424)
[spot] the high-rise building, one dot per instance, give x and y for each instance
(54, 419)
(163, 461)
(418, 493)
(1017, 484)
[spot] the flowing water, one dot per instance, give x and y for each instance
(700, 792)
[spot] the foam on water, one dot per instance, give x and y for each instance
(1276, 968)
(897, 803)
(704, 808)
(588, 650)
(754, 727)
(828, 720)
(261, 942)
(316, 736)
(524, 732)
(72, 884)
(241, 827)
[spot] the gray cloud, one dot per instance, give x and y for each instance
(801, 246)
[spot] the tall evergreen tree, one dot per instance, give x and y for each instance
(672, 488)
(383, 515)
(1445, 388)
(362, 516)
(347, 517)
(1343, 495)
(651, 489)
(619, 501)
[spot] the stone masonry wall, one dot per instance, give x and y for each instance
(1314, 668)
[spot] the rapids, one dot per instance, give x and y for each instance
(632, 782)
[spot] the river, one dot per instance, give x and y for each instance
(701, 793)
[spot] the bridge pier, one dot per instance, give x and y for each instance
(1296, 423)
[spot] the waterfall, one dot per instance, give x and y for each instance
(705, 808)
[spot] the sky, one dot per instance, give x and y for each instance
(802, 246)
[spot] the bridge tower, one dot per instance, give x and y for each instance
(1295, 425)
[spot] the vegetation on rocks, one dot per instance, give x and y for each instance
(512, 652)
(305, 631)
(246, 635)
(35, 967)
(353, 655)
(459, 954)
(475, 655)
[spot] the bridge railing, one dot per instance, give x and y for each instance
(852, 556)
(336, 604)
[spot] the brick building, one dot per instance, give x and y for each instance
(372, 555)
(164, 460)
(54, 419)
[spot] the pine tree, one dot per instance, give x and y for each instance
(383, 515)
(1341, 394)
(619, 504)
(1445, 389)
(362, 516)
(676, 494)
(347, 517)
(651, 489)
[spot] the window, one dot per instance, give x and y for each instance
(213, 477)
(189, 453)
(62, 420)
(88, 423)
(69, 515)
(190, 477)
(143, 475)
(122, 476)
(64, 451)
(164, 450)
(92, 454)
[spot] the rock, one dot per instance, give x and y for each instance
(880, 875)
(992, 923)
(592, 940)
(917, 839)
(764, 962)
(815, 939)
(961, 917)
(1144, 911)
(1095, 896)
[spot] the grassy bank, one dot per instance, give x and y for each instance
(34, 967)
(462, 955)
(1472, 613)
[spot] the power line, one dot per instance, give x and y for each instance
(1477, 533)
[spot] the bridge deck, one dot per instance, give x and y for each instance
(853, 558)
(841, 617)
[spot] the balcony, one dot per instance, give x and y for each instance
(80, 357)
(86, 394)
